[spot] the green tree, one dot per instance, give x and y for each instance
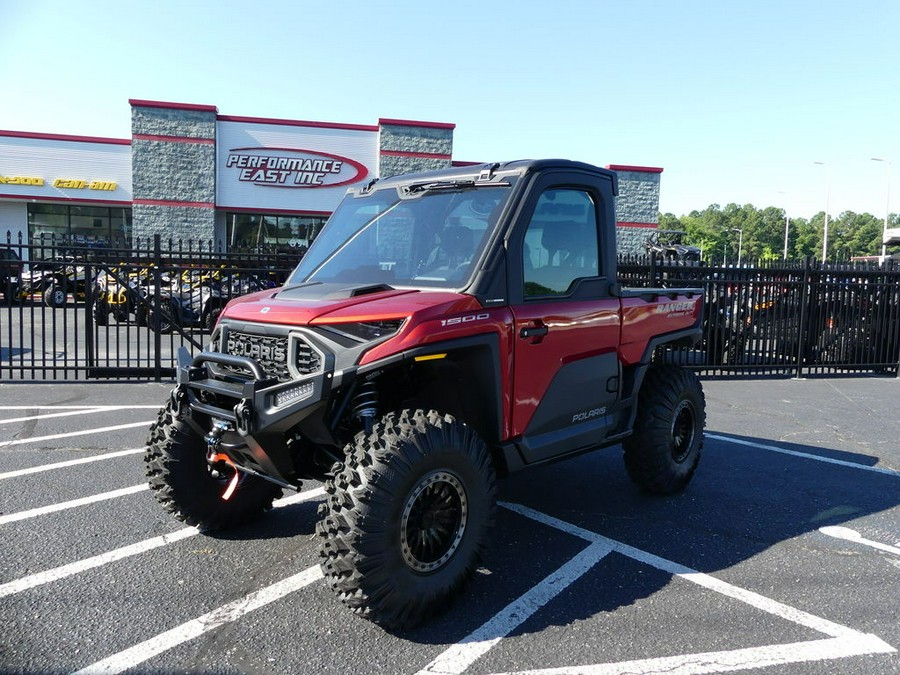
(860, 233)
(669, 221)
(715, 231)
(808, 241)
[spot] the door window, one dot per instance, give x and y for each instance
(560, 242)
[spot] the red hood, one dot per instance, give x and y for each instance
(311, 304)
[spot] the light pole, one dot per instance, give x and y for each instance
(740, 243)
(827, 194)
(787, 227)
(887, 204)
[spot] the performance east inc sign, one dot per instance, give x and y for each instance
(290, 168)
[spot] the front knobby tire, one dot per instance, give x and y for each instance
(662, 453)
(407, 517)
(183, 483)
(101, 313)
(55, 294)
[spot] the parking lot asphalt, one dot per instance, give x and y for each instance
(782, 556)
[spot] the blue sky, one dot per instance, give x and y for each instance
(734, 100)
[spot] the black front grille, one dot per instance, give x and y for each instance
(271, 352)
(308, 359)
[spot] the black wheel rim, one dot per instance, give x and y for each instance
(683, 431)
(433, 522)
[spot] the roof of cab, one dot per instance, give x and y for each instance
(520, 167)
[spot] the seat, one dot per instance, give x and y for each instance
(564, 243)
(455, 248)
(568, 257)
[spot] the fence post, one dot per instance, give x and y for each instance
(157, 308)
(89, 346)
(802, 328)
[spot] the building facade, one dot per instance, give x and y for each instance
(188, 173)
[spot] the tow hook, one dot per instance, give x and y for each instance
(179, 400)
(213, 457)
(243, 414)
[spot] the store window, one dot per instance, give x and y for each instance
(77, 225)
(254, 231)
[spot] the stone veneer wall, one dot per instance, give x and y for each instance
(630, 240)
(407, 147)
(173, 164)
(637, 207)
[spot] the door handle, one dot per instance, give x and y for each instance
(534, 332)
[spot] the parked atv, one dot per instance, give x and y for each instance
(857, 323)
(10, 271)
(723, 335)
(121, 293)
(195, 298)
(55, 279)
(669, 245)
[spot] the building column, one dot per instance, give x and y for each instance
(637, 207)
(406, 146)
(173, 165)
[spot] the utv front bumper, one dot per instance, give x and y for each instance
(252, 411)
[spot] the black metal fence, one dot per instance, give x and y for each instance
(77, 313)
(787, 319)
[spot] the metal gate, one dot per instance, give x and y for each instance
(76, 312)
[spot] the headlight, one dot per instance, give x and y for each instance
(366, 331)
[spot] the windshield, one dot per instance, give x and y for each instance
(433, 239)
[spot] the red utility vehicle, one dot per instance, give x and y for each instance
(444, 329)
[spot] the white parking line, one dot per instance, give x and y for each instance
(68, 463)
(62, 506)
(460, 656)
(213, 620)
(78, 407)
(852, 535)
(57, 573)
(736, 659)
(805, 455)
(842, 641)
(68, 413)
(38, 439)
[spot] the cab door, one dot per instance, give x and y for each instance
(567, 326)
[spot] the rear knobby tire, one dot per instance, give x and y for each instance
(182, 481)
(167, 319)
(407, 517)
(662, 453)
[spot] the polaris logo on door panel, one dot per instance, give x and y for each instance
(588, 415)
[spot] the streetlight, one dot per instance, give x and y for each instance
(787, 227)
(740, 243)
(887, 204)
(827, 193)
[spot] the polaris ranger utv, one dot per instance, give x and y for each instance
(445, 329)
